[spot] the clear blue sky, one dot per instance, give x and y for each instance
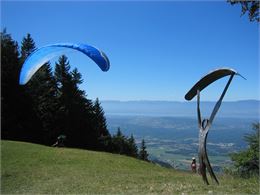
(157, 50)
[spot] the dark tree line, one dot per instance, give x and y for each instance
(51, 104)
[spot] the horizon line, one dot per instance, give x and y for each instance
(177, 101)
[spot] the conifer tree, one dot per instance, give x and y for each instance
(118, 142)
(101, 124)
(42, 91)
(122, 144)
(62, 69)
(16, 124)
(28, 46)
(143, 155)
(119, 133)
(76, 76)
(63, 78)
(9, 85)
(75, 110)
(132, 146)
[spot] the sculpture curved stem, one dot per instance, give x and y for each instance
(203, 133)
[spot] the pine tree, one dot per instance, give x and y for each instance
(76, 76)
(122, 144)
(43, 91)
(119, 133)
(18, 118)
(28, 46)
(100, 125)
(132, 146)
(143, 155)
(62, 75)
(63, 78)
(9, 86)
(75, 110)
(9, 64)
(118, 142)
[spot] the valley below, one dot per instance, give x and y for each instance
(173, 141)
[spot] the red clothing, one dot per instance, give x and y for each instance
(193, 166)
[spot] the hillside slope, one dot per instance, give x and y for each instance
(30, 168)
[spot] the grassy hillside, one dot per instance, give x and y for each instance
(31, 168)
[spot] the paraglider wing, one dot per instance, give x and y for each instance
(207, 80)
(44, 54)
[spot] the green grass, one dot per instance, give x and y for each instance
(35, 169)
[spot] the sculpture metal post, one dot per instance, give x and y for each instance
(205, 124)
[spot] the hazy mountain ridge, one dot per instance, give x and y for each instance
(242, 108)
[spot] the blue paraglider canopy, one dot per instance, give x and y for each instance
(46, 53)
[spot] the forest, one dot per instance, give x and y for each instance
(51, 106)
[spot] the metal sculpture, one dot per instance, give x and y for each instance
(205, 124)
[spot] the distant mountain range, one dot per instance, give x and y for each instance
(244, 108)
